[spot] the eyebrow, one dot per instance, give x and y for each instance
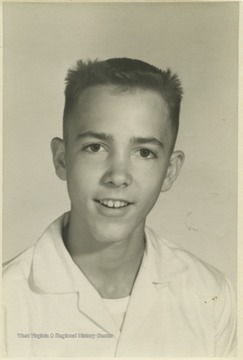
(145, 140)
(134, 140)
(100, 136)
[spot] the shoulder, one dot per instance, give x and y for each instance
(198, 269)
(197, 274)
(18, 268)
(204, 293)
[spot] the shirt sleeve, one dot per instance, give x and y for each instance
(225, 322)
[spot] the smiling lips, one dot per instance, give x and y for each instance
(113, 204)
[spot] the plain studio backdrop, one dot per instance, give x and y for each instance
(199, 41)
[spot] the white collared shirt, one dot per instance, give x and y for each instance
(179, 305)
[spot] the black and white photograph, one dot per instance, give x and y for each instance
(120, 175)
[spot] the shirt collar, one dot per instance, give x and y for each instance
(162, 258)
(54, 271)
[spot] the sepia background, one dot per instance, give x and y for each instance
(199, 41)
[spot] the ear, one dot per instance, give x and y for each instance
(58, 153)
(174, 167)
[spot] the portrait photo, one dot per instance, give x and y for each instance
(77, 60)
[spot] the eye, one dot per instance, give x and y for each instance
(146, 153)
(94, 148)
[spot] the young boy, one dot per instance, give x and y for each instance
(98, 282)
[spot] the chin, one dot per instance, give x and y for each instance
(114, 233)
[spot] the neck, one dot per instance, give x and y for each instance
(110, 266)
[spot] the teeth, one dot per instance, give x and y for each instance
(110, 203)
(114, 203)
(117, 204)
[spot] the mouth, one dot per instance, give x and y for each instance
(113, 203)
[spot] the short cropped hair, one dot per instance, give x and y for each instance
(126, 74)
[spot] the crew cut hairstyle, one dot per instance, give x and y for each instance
(126, 74)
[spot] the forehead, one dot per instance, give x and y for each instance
(102, 95)
(112, 108)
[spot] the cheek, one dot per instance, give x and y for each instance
(81, 171)
(151, 177)
(150, 186)
(77, 182)
(150, 192)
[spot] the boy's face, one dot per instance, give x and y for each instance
(117, 158)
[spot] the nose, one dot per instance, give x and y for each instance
(118, 172)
